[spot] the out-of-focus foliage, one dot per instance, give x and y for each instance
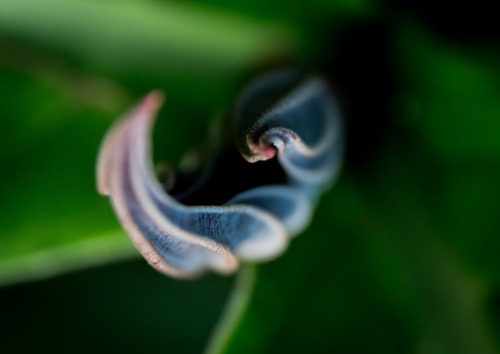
(402, 255)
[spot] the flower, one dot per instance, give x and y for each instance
(282, 114)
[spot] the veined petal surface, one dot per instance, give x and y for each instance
(302, 128)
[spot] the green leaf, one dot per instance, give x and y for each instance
(186, 50)
(452, 107)
(52, 219)
(454, 93)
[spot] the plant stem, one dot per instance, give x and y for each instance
(236, 306)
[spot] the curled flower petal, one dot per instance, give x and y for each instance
(301, 124)
(254, 225)
(288, 203)
(177, 239)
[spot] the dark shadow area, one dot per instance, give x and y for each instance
(121, 308)
(230, 175)
(475, 23)
(360, 71)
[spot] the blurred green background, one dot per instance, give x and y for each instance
(403, 253)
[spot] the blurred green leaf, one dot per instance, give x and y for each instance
(52, 219)
(454, 89)
(452, 108)
(296, 12)
(188, 51)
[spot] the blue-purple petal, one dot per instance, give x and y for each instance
(282, 114)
